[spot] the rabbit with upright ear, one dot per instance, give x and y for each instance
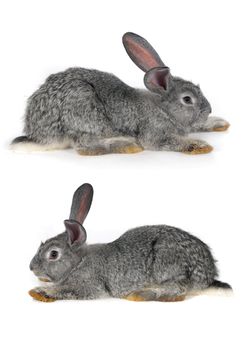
(159, 263)
(96, 113)
(81, 203)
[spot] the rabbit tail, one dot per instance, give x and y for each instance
(25, 144)
(20, 139)
(219, 288)
(216, 288)
(220, 285)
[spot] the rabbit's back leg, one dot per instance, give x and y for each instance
(89, 127)
(54, 119)
(93, 145)
(167, 291)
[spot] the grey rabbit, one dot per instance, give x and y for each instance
(158, 263)
(96, 113)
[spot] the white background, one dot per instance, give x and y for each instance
(202, 194)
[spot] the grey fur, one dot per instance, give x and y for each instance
(96, 113)
(151, 261)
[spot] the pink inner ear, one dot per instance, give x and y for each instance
(81, 203)
(84, 207)
(157, 78)
(161, 80)
(74, 236)
(75, 231)
(142, 56)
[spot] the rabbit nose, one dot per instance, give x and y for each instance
(207, 110)
(31, 266)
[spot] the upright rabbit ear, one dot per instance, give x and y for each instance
(81, 203)
(141, 52)
(75, 231)
(156, 79)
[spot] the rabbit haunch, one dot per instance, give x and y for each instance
(96, 113)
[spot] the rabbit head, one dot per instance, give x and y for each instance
(58, 255)
(182, 100)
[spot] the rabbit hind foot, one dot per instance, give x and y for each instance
(128, 149)
(136, 296)
(172, 298)
(92, 151)
(141, 296)
(122, 144)
(111, 145)
(168, 292)
(146, 294)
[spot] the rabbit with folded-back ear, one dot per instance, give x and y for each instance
(96, 113)
(159, 263)
(81, 203)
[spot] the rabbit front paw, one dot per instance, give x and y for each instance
(216, 124)
(221, 125)
(41, 294)
(197, 147)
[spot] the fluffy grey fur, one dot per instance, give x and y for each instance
(153, 261)
(145, 263)
(96, 113)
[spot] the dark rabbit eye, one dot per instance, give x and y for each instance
(187, 100)
(53, 254)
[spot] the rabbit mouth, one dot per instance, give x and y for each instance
(42, 278)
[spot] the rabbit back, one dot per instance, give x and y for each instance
(81, 100)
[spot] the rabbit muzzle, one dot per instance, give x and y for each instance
(42, 277)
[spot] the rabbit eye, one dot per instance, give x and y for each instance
(187, 100)
(53, 254)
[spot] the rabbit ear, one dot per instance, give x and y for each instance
(156, 79)
(75, 231)
(81, 203)
(141, 52)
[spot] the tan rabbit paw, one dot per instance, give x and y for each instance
(223, 126)
(92, 151)
(172, 299)
(40, 295)
(134, 297)
(216, 124)
(198, 148)
(128, 149)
